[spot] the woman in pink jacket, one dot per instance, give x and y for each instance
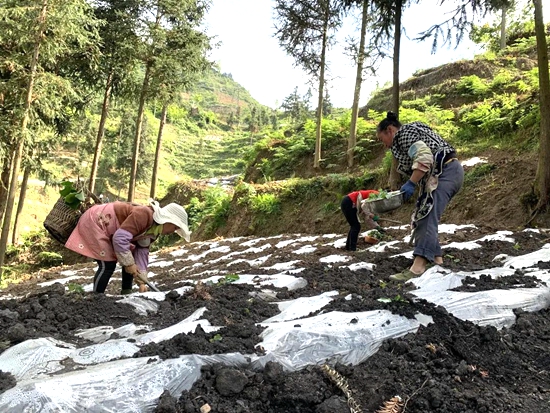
(122, 232)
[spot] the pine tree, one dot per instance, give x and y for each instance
(34, 35)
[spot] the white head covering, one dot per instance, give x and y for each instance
(173, 213)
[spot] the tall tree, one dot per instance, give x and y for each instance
(119, 45)
(503, 29)
(177, 67)
(460, 20)
(543, 169)
(305, 29)
(20, 203)
(56, 28)
(366, 55)
(397, 12)
(154, 176)
(173, 31)
(352, 141)
(296, 107)
(389, 14)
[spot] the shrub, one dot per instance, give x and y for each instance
(266, 204)
(49, 259)
(215, 202)
(477, 172)
(472, 86)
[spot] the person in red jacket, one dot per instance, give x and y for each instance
(351, 210)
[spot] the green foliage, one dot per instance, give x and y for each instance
(479, 171)
(472, 86)
(75, 288)
(220, 214)
(214, 204)
(228, 279)
(519, 29)
(501, 80)
(164, 241)
(72, 196)
(330, 207)
(300, 27)
(387, 162)
(49, 259)
(268, 204)
(244, 192)
(296, 107)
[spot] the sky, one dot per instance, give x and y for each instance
(249, 51)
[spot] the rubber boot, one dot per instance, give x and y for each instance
(126, 291)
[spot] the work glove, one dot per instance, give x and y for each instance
(131, 269)
(141, 279)
(408, 190)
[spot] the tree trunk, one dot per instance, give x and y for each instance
(101, 130)
(543, 170)
(394, 178)
(317, 156)
(357, 91)
(20, 143)
(21, 203)
(157, 151)
(137, 138)
(503, 29)
(5, 183)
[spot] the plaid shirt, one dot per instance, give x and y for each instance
(411, 133)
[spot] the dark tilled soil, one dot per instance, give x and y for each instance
(448, 366)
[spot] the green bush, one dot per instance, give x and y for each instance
(477, 172)
(49, 259)
(220, 214)
(244, 193)
(268, 204)
(472, 86)
(215, 203)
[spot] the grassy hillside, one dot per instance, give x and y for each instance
(486, 108)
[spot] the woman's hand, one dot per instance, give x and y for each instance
(131, 269)
(141, 277)
(408, 190)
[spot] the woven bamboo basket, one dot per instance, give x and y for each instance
(62, 219)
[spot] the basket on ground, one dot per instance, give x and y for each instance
(378, 206)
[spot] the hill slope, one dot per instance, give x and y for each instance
(487, 108)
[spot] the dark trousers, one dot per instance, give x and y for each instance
(350, 212)
(103, 274)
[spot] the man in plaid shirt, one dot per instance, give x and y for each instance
(432, 165)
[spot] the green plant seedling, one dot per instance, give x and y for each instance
(75, 288)
(399, 299)
(228, 279)
(217, 337)
(452, 258)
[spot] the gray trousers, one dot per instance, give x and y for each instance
(426, 239)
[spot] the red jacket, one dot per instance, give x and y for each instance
(364, 194)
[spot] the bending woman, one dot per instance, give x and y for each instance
(432, 165)
(123, 232)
